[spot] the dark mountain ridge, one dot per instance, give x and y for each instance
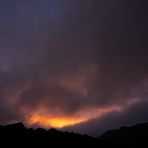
(18, 135)
(126, 137)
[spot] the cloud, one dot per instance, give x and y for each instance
(68, 58)
(113, 120)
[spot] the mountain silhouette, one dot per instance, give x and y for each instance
(126, 137)
(18, 135)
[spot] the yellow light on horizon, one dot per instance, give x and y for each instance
(47, 120)
(55, 122)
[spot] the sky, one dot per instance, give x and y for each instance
(76, 65)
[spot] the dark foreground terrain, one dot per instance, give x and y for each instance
(17, 135)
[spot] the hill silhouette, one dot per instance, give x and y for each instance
(18, 135)
(126, 137)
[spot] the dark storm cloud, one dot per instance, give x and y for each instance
(71, 55)
(135, 114)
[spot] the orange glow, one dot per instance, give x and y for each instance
(47, 119)
(52, 121)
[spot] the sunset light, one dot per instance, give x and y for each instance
(45, 119)
(56, 122)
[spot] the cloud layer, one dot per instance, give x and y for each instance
(74, 59)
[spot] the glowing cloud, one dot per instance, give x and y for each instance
(56, 122)
(45, 119)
